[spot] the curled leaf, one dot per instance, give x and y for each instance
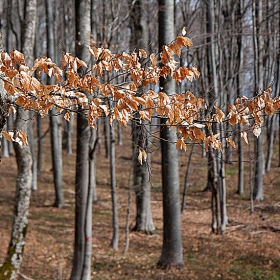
(244, 137)
(257, 130)
(231, 143)
(142, 155)
(7, 135)
(181, 144)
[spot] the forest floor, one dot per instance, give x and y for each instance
(249, 248)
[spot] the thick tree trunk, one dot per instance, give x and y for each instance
(14, 257)
(172, 253)
(144, 220)
(81, 197)
(216, 172)
(81, 261)
(139, 40)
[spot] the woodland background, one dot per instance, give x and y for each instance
(236, 48)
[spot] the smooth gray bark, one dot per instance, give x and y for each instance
(258, 77)
(81, 196)
(8, 48)
(139, 40)
(4, 150)
(56, 145)
(83, 214)
(141, 180)
(67, 126)
(240, 162)
(239, 86)
(107, 138)
(186, 181)
(31, 144)
(172, 253)
(216, 171)
(92, 173)
(14, 257)
(115, 220)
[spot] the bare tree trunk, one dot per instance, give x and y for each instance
(216, 195)
(83, 243)
(92, 173)
(272, 131)
(139, 40)
(115, 222)
(183, 205)
(4, 150)
(239, 85)
(54, 117)
(67, 126)
(240, 162)
(172, 253)
(14, 256)
(107, 138)
(258, 49)
(31, 144)
(81, 198)
(216, 171)
(40, 143)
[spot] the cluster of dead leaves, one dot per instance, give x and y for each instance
(122, 100)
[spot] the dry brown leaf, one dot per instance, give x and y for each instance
(180, 144)
(231, 143)
(244, 137)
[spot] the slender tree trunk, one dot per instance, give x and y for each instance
(4, 151)
(258, 49)
(115, 222)
(107, 138)
(216, 195)
(8, 48)
(14, 256)
(183, 205)
(67, 126)
(240, 162)
(40, 143)
(92, 180)
(172, 253)
(239, 85)
(54, 118)
(271, 132)
(31, 144)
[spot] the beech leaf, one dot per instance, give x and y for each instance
(244, 137)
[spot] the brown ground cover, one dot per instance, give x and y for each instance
(249, 249)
